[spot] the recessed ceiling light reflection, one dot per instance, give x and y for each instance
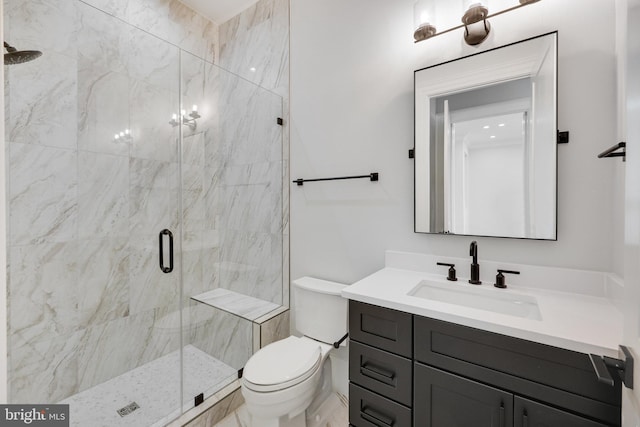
(501, 125)
(492, 136)
(485, 127)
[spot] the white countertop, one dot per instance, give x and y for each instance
(578, 322)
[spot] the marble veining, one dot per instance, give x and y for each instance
(223, 335)
(42, 194)
(241, 305)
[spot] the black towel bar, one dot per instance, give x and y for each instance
(372, 176)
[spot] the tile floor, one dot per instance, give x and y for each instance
(334, 413)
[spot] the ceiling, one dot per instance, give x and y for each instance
(219, 11)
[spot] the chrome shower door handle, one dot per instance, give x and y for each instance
(163, 233)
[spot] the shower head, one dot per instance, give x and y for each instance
(15, 56)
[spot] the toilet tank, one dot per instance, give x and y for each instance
(320, 312)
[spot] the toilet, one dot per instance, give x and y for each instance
(283, 379)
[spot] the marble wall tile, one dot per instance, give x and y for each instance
(117, 8)
(210, 267)
(193, 212)
(44, 371)
(192, 265)
(43, 103)
(193, 149)
(102, 40)
(250, 264)
(255, 44)
(274, 329)
(45, 25)
(103, 195)
(151, 110)
(251, 197)
(112, 348)
(42, 293)
(249, 132)
(149, 287)
(153, 196)
(103, 81)
(189, 28)
(103, 280)
(224, 336)
(42, 194)
(155, 62)
(103, 98)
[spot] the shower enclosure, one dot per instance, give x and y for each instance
(145, 190)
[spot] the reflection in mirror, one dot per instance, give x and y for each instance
(486, 143)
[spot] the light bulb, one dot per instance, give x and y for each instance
(194, 108)
(423, 13)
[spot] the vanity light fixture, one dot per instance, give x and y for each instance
(186, 119)
(474, 20)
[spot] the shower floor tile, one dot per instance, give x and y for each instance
(154, 387)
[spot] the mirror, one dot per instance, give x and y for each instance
(486, 143)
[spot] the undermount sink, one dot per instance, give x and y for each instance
(483, 299)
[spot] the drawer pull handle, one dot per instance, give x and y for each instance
(376, 373)
(376, 418)
(501, 414)
(525, 419)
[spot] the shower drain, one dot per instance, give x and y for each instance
(128, 409)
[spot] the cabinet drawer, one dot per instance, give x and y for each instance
(533, 414)
(383, 328)
(382, 372)
(455, 348)
(367, 409)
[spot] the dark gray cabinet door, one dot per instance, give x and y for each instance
(534, 414)
(442, 399)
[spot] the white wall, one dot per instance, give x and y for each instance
(352, 69)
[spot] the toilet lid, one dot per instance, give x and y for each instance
(282, 364)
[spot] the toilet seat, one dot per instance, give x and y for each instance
(282, 364)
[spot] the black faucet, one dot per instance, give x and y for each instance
(475, 267)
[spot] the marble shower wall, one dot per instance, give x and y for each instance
(255, 46)
(86, 299)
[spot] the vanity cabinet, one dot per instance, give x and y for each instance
(447, 375)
